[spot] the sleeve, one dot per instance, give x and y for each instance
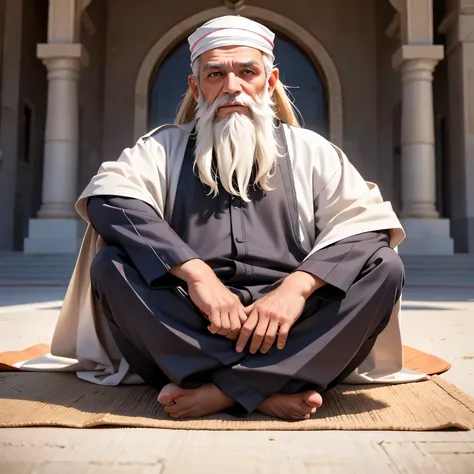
(339, 264)
(352, 221)
(344, 204)
(148, 241)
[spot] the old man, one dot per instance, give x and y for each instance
(243, 263)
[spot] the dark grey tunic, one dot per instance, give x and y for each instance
(248, 245)
(251, 247)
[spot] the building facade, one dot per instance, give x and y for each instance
(390, 81)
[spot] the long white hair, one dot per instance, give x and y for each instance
(230, 149)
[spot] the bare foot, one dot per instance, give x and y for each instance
(205, 400)
(299, 406)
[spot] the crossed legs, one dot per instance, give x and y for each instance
(165, 339)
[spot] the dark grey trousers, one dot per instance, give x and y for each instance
(164, 337)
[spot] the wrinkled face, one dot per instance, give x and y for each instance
(229, 71)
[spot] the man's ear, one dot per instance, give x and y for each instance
(272, 81)
(193, 86)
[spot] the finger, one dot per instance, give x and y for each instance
(270, 336)
(225, 324)
(233, 335)
(246, 331)
(283, 335)
(242, 316)
(215, 320)
(248, 309)
(259, 333)
(235, 323)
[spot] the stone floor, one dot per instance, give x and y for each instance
(438, 320)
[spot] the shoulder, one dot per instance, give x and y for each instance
(159, 144)
(305, 135)
(310, 148)
(169, 135)
(305, 138)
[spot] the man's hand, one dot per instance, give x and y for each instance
(217, 303)
(274, 314)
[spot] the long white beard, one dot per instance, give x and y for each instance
(239, 142)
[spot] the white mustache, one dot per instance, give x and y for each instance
(235, 99)
(241, 98)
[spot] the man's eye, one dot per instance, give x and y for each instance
(215, 74)
(248, 72)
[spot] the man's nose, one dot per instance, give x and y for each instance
(232, 84)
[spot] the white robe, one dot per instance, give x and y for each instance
(332, 197)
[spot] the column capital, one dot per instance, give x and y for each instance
(458, 26)
(431, 53)
(49, 51)
(416, 20)
(418, 70)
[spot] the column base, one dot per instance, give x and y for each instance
(53, 236)
(427, 237)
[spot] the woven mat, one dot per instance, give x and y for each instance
(61, 399)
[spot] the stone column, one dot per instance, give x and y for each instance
(62, 130)
(418, 157)
(56, 230)
(415, 60)
(426, 233)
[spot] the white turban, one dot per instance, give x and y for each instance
(231, 30)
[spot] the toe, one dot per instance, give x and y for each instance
(178, 414)
(313, 399)
(297, 414)
(170, 409)
(169, 393)
(183, 403)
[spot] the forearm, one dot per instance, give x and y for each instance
(302, 283)
(148, 241)
(192, 271)
(340, 264)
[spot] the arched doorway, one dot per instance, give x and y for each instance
(307, 87)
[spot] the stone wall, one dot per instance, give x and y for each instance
(32, 109)
(388, 109)
(92, 92)
(23, 88)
